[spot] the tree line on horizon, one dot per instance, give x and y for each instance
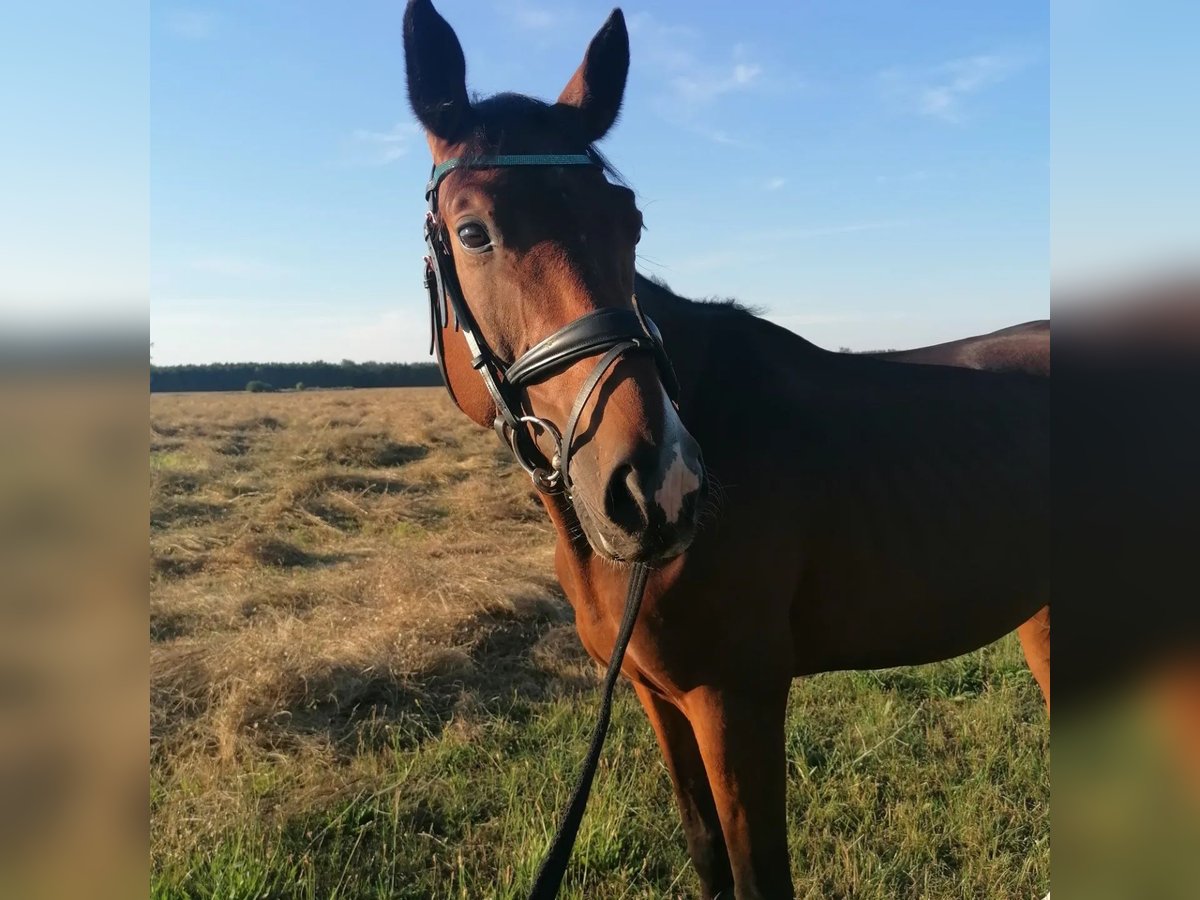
(277, 376)
(281, 376)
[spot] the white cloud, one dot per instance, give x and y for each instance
(379, 148)
(941, 91)
(694, 85)
(191, 24)
(666, 45)
(547, 24)
(716, 135)
(701, 85)
(533, 18)
(774, 184)
(744, 74)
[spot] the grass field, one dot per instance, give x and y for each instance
(365, 683)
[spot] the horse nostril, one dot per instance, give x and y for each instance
(624, 501)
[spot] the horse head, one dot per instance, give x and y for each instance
(535, 237)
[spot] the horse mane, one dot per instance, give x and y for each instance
(660, 292)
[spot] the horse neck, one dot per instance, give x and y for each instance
(720, 347)
(687, 333)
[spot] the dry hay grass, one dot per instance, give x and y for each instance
(326, 564)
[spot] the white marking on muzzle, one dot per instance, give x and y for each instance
(678, 482)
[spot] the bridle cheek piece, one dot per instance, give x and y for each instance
(607, 333)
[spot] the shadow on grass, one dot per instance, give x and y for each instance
(500, 663)
(185, 512)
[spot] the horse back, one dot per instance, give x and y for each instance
(1020, 348)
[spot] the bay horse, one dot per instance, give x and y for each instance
(800, 511)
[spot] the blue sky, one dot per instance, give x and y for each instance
(74, 223)
(870, 174)
(1125, 191)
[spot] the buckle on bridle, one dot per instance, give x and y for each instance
(548, 481)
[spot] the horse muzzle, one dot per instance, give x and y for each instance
(651, 503)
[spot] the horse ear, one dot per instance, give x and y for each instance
(598, 84)
(437, 72)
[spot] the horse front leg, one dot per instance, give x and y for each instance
(1035, 641)
(701, 825)
(741, 740)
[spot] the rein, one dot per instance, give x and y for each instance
(554, 864)
(607, 333)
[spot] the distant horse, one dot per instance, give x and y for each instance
(1018, 348)
(845, 512)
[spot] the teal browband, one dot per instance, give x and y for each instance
(495, 162)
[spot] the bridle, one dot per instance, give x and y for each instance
(607, 333)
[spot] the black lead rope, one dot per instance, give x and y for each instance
(554, 866)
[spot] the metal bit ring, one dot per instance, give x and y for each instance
(545, 480)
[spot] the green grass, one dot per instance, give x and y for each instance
(173, 461)
(928, 782)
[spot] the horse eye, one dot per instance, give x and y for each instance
(474, 236)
